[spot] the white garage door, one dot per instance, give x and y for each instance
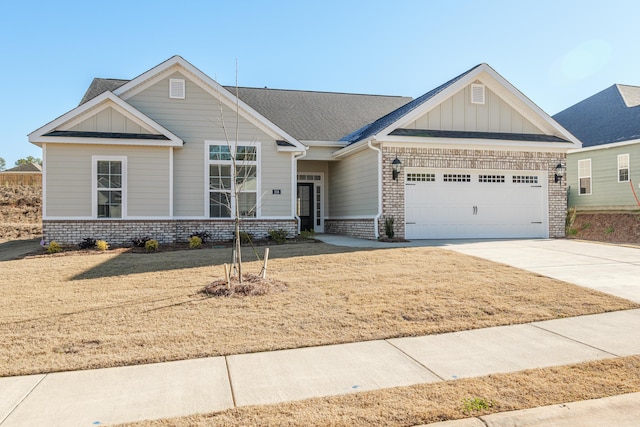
(448, 204)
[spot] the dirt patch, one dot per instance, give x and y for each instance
(20, 212)
(252, 285)
(606, 227)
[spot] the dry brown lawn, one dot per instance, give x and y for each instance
(428, 403)
(90, 310)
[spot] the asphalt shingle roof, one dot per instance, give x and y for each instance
(26, 167)
(612, 115)
(99, 86)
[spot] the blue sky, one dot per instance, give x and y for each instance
(556, 52)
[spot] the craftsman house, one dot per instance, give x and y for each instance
(153, 156)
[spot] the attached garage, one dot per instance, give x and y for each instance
(452, 203)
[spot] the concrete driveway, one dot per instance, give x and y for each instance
(613, 269)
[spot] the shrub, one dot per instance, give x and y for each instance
(195, 242)
(102, 245)
(246, 238)
(308, 234)
(54, 248)
(87, 243)
(203, 235)
(140, 242)
(572, 232)
(609, 230)
(388, 227)
(278, 235)
(151, 245)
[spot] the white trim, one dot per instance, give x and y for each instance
(199, 78)
(94, 184)
(233, 149)
(105, 141)
(605, 146)
(171, 181)
(109, 99)
(628, 167)
(44, 180)
(376, 232)
(294, 186)
(590, 176)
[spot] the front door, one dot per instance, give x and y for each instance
(305, 206)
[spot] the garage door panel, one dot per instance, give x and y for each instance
(487, 205)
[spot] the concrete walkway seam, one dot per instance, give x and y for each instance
(18, 403)
(575, 340)
(414, 359)
(233, 392)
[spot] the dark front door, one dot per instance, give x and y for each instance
(305, 206)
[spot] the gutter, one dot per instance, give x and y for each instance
(379, 214)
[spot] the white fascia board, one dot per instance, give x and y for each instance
(473, 144)
(100, 102)
(469, 78)
(281, 149)
(105, 141)
(353, 148)
(159, 72)
(605, 146)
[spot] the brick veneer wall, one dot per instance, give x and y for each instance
(361, 228)
(441, 158)
(121, 232)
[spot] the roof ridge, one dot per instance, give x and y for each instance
(317, 91)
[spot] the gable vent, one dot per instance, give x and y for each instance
(176, 88)
(477, 94)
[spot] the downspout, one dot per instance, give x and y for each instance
(379, 214)
(294, 186)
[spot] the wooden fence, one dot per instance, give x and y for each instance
(31, 179)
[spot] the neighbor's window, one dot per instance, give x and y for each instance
(109, 179)
(222, 186)
(584, 176)
(623, 168)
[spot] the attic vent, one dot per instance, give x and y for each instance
(176, 88)
(477, 94)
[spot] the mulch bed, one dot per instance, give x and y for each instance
(252, 285)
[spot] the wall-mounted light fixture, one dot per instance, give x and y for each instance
(395, 165)
(561, 172)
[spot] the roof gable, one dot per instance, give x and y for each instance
(535, 120)
(609, 116)
(69, 128)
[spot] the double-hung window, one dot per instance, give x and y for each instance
(223, 188)
(109, 185)
(584, 176)
(623, 168)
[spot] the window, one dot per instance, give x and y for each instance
(109, 184)
(222, 186)
(421, 177)
(490, 178)
(456, 178)
(584, 176)
(623, 168)
(525, 179)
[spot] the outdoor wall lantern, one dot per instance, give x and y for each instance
(561, 171)
(395, 165)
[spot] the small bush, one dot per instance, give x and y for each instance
(388, 227)
(54, 248)
(195, 242)
(140, 242)
(203, 235)
(609, 230)
(572, 232)
(246, 238)
(308, 234)
(278, 235)
(87, 243)
(151, 245)
(101, 245)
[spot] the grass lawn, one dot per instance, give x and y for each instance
(90, 310)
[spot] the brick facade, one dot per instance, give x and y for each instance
(361, 228)
(121, 232)
(443, 158)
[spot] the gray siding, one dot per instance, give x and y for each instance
(353, 185)
(459, 114)
(197, 119)
(69, 182)
(606, 191)
(108, 120)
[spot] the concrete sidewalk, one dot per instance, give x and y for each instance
(132, 393)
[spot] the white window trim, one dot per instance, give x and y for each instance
(94, 184)
(585, 176)
(628, 167)
(207, 162)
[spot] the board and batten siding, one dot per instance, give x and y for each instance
(199, 118)
(354, 185)
(108, 120)
(457, 113)
(69, 182)
(606, 192)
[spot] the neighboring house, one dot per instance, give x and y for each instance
(605, 173)
(23, 174)
(150, 156)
